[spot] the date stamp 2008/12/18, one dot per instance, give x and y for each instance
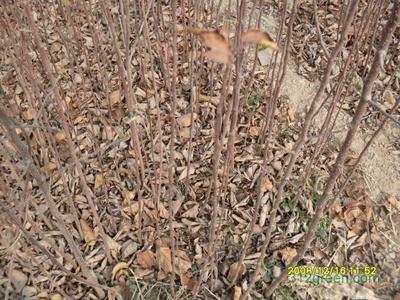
(333, 274)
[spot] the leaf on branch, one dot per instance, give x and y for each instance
(259, 37)
(217, 42)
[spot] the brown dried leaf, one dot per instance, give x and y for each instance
(212, 99)
(99, 180)
(187, 282)
(123, 290)
(50, 167)
(146, 259)
(118, 267)
(217, 42)
(114, 247)
(237, 293)
(56, 297)
(191, 213)
(88, 234)
(184, 134)
(266, 185)
(18, 279)
(213, 39)
(115, 97)
(218, 56)
(60, 136)
(394, 202)
(352, 213)
(164, 259)
(259, 37)
(184, 121)
(182, 265)
(184, 173)
(163, 212)
(236, 268)
(254, 131)
(389, 99)
(288, 254)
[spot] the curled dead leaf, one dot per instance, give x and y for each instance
(118, 267)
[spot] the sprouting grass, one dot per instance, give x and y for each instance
(285, 293)
(269, 264)
(252, 101)
(323, 229)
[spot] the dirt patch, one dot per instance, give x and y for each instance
(381, 164)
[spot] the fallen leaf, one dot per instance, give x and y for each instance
(254, 131)
(185, 120)
(118, 267)
(56, 297)
(389, 99)
(266, 185)
(237, 293)
(212, 99)
(122, 289)
(115, 97)
(394, 202)
(28, 114)
(99, 180)
(236, 268)
(114, 247)
(184, 173)
(163, 212)
(291, 115)
(259, 37)
(187, 282)
(184, 134)
(60, 136)
(182, 265)
(50, 167)
(146, 259)
(192, 212)
(288, 254)
(164, 259)
(18, 279)
(88, 234)
(352, 213)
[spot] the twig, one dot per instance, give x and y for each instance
(317, 26)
